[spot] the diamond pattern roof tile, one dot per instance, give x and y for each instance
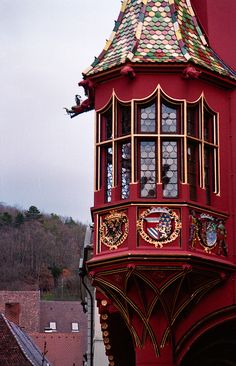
(158, 31)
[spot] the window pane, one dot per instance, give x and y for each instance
(125, 169)
(125, 119)
(192, 170)
(192, 121)
(75, 327)
(108, 173)
(53, 326)
(168, 119)
(148, 168)
(148, 118)
(106, 125)
(210, 172)
(208, 126)
(170, 168)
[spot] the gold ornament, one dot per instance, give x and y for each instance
(159, 226)
(114, 229)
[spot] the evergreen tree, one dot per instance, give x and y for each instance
(33, 213)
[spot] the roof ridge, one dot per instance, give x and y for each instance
(138, 32)
(196, 23)
(229, 68)
(177, 30)
(174, 15)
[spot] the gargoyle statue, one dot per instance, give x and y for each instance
(128, 71)
(87, 104)
(190, 72)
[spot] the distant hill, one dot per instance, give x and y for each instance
(39, 251)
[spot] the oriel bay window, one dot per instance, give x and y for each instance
(211, 163)
(113, 149)
(104, 160)
(158, 144)
(202, 149)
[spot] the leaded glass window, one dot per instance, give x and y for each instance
(167, 120)
(165, 143)
(192, 169)
(148, 168)
(202, 151)
(170, 168)
(125, 169)
(148, 118)
(108, 173)
(169, 123)
(192, 121)
(125, 114)
(208, 126)
(106, 125)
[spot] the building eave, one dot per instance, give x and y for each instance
(164, 68)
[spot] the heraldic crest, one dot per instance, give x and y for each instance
(159, 226)
(209, 232)
(114, 229)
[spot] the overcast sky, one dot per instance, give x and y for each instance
(46, 158)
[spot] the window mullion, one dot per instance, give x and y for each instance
(114, 122)
(98, 168)
(202, 158)
(159, 155)
(217, 154)
(185, 175)
(97, 160)
(132, 144)
(99, 128)
(215, 170)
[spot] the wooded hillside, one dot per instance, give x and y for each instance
(39, 251)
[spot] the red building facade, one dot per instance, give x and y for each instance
(164, 203)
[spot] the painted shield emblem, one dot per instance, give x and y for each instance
(159, 226)
(114, 229)
(208, 231)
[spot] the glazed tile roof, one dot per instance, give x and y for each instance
(158, 31)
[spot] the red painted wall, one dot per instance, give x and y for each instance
(218, 20)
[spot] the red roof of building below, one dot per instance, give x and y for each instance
(16, 346)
